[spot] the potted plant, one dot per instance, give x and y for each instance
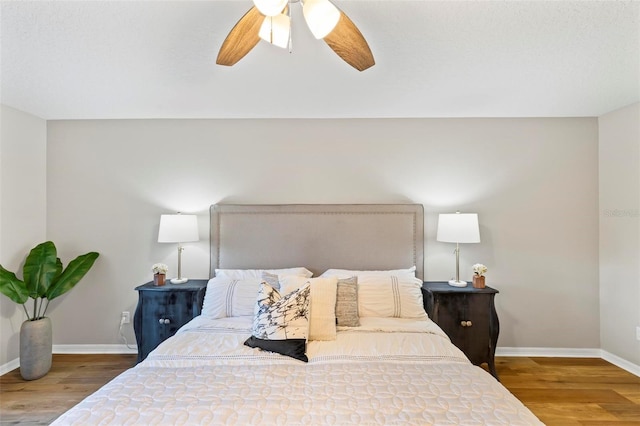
(44, 279)
(159, 273)
(478, 275)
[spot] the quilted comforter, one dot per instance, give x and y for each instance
(385, 372)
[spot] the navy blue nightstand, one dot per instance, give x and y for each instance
(162, 310)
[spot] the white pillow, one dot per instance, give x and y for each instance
(322, 324)
(241, 274)
(397, 296)
(229, 297)
(345, 273)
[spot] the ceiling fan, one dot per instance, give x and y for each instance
(270, 20)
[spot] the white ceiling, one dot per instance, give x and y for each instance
(156, 59)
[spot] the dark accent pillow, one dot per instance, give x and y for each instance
(295, 348)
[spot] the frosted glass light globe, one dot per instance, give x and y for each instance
(275, 30)
(270, 7)
(321, 16)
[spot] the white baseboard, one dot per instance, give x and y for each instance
(622, 363)
(550, 352)
(94, 349)
(572, 353)
(9, 366)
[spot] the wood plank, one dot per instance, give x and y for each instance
(606, 423)
(570, 396)
(568, 413)
(626, 412)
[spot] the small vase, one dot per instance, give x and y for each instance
(35, 348)
(478, 282)
(158, 279)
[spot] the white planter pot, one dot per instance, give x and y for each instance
(35, 348)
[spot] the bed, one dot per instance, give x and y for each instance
(367, 353)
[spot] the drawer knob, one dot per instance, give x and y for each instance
(466, 323)
(164, 321)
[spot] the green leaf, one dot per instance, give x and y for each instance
(40, 269)
(12, 287)
(58, 269)
(73, 273)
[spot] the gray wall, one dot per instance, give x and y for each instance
(533, 182)
(619, 162)
(23, 168)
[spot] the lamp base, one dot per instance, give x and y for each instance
(452, 283)
(184, 280)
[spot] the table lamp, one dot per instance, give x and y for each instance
(178, 228)
(458, 228)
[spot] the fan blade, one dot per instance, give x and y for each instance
(241, 39)
(347, 41)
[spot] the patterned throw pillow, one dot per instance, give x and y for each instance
(281, 324)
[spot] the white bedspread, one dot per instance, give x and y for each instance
(386, 372)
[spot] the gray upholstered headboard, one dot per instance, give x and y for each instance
(317, 236)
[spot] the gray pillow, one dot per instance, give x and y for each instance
(271, 279)
(347, 302)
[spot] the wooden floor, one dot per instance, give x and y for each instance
(560, 391)
(71, 379)
(573, 391)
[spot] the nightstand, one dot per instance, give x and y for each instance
(468, 316)
(162, 310)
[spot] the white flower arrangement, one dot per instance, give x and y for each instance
(160, 268)
(479, 269)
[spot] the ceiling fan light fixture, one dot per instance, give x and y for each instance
(321, 16)
(270, 7)
(325, 21)
(276, 30)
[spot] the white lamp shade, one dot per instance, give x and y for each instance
(178, 228)
(275, 30)
(321, 16)
(458, 228)
(270, 7)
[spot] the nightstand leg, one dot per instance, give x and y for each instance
(492, 369)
